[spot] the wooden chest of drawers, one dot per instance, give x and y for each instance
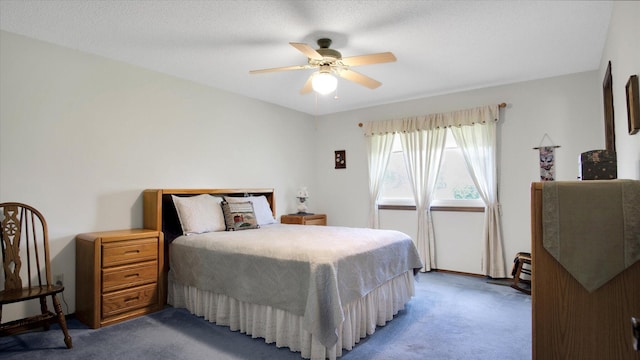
(309, 219)
(119, 275)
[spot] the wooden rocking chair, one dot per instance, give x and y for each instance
(519, 269)
(22, 225)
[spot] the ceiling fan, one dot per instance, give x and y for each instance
(330, 62)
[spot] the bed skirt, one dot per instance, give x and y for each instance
(286, 329)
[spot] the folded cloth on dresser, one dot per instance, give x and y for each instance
(592, 227)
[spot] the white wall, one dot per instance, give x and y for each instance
(567, 108)
(623, 50)
(81, 137)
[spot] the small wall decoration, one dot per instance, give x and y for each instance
(633, 104)
(547, 160)
(341, 159)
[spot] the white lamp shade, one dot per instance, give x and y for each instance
(303, 193)
(324, 83)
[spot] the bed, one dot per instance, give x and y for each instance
(317, 290)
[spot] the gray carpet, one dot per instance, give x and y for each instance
(451, 317)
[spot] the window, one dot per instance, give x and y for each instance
(454, 185)
(396, 187)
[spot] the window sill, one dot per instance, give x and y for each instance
(434, 208)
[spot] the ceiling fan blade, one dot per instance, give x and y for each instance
(284, 68)
(307, 88)
(307, 50)
(359, 78)
(369, 59)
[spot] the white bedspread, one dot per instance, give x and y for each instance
(310, 271)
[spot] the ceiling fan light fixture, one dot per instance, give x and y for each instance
(330, 65)
(324, 83)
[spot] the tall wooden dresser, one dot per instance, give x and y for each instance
(118, 275)
(568, 321)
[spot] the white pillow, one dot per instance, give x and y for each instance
(260, 207)
(199, 214)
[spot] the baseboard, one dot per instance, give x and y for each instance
(458, 273)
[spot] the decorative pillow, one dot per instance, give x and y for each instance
(199, 214)
(239, 215)
(260, 207)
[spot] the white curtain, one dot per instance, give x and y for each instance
(478, 145)
(378, 153)
(478, 115)
(479, 149)
(423, 151)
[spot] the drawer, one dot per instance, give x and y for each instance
(126, 252)
(321, 221)
(127, 276)
(125, 300)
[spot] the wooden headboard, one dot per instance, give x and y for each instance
(160, 213)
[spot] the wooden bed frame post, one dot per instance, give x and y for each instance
(152, 209)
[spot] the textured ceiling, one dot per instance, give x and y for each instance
(441, 46)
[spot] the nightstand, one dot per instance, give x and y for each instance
(315, 219)
(118, 275)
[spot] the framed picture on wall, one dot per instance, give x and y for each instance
(609, 124)
(633, 104)
(341, 159)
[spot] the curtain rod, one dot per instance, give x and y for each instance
(501, 105)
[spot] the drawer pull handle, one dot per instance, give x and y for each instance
(132, 299)
(132, 275)
(132, 251)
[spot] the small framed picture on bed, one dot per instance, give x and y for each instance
(341, 159)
